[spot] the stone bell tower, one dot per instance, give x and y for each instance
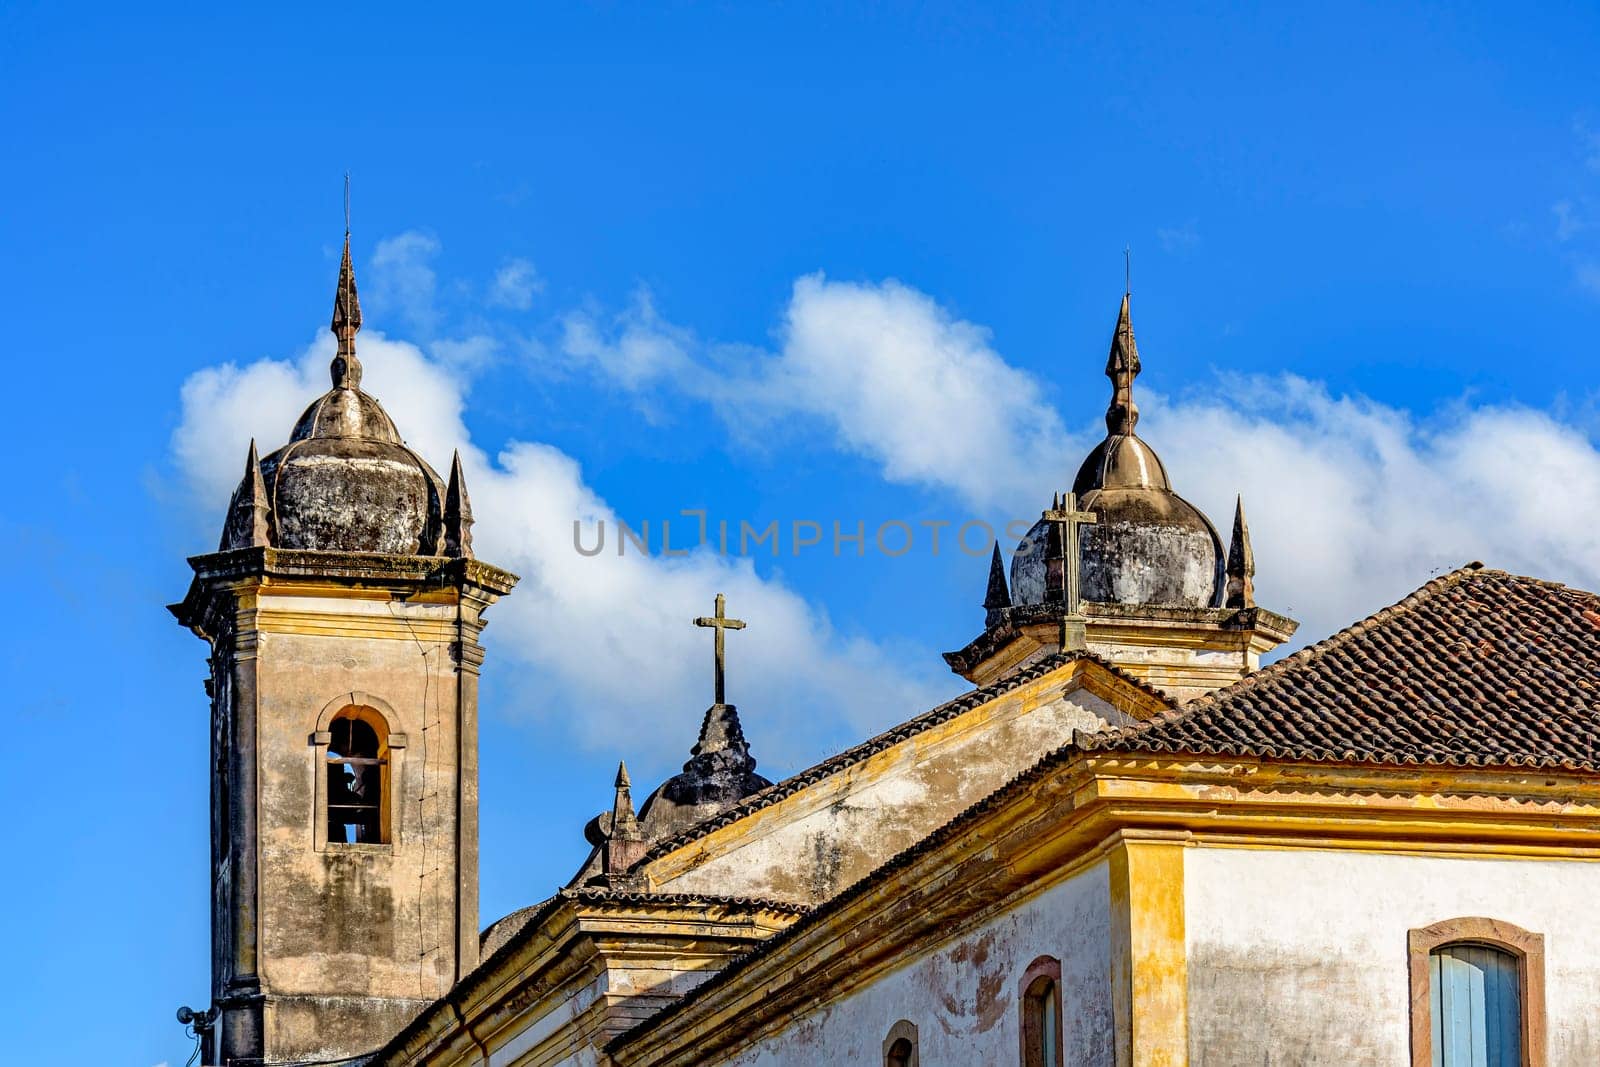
(342, 609)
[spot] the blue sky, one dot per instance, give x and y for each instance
(801, 262)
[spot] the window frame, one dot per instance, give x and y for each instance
(1043, 969)
(1525, 946)
(391, 750)
(906, 1031)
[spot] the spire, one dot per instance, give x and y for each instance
(623, 819)
(457, 512)
(346, 324)
(249, 522)
(1122, 367)
(998, 596)
(1241, 590)
(624, 840)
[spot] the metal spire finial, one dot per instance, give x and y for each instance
(1122, 367)
(346, 369)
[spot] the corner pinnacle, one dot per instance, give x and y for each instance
(457, 512)
(1241, 569)
(998, 594)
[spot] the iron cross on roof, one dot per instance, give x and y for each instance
(720, 623)
(1062, 574)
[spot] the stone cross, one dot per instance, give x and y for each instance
(1066, 517)
(720, 622)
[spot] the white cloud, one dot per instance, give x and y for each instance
(897, 378)
(635, 348)
(404, 279)
(1589, 276)
(1179, 239)
(515, 285)
(1352, 503)
(1569, 223)
(605, 642)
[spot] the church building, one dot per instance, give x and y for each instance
(1128, 844)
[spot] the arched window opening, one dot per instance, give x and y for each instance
(358, 777)
(1475, 995)
(900, 1046)
(1041, 1014)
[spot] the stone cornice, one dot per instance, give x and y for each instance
(1012, 622)
(668, 858)
(233, 572)
(568, 941)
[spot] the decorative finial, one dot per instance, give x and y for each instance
(457, 512)
(997, 597)
(1241, 571)
(625, 843)
(346, 313)
(720, 622)
(1122, 367)
(249, 523)
(1127, 255)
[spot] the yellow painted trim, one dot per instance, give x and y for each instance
(325, 624)
(1149, 953)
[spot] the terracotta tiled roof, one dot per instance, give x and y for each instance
(852, 756)
(1476, 668)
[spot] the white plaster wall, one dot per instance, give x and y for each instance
(962, 997)
(1299, 957)
(811, 855)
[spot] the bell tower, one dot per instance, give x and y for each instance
(342, 609)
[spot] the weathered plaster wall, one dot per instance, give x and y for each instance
(963, 996)
(365, 934)
(1299, 957)
(811, 846)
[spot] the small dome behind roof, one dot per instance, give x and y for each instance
(1147, 544)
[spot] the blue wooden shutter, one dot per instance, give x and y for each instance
(1475, 994)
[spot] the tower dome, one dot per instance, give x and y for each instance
(346, 481)
(1147, 544)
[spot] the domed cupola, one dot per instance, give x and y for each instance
(1147, 545)
(1123, 568)
(346, 481)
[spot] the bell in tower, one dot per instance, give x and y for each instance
(342, 608)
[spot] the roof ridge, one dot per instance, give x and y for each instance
(1334, 641)
(928, 842)
(849, 757)
(1343, 636)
